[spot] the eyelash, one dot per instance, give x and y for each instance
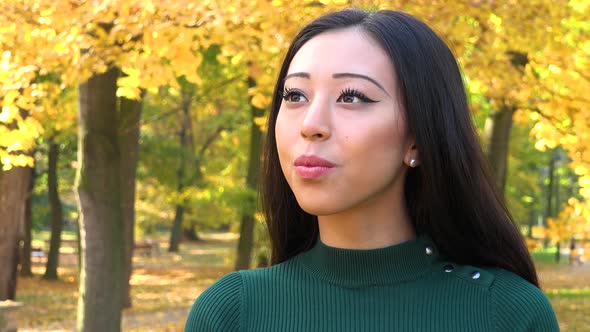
(356, 93)
(288, 92)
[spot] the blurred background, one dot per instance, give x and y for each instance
(130, 136)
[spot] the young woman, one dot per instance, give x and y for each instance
(381, 212)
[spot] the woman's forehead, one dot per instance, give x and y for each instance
(343, 51)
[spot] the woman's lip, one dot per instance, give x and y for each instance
(312, 161)
(312, 172)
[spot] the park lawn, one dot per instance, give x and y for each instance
(166, 284)
(568, 289)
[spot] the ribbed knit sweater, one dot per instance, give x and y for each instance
(404, 287)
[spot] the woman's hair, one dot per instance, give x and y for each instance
(451, 196)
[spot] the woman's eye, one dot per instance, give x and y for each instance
(293, 96)
(350, 96)
(349, 99)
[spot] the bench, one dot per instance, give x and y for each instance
(147, 247)
(37, 253)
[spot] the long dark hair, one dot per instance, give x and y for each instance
(451, 196)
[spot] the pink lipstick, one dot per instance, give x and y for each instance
(312, 167)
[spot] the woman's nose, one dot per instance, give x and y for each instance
(316, 123)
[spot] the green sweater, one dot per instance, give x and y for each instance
(405, 287)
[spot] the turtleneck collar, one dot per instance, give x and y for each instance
(370, 267)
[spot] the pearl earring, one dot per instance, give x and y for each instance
(412, 162)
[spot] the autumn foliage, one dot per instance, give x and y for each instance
(533, 57)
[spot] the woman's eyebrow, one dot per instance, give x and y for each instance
(342, 75)
(338, 75)
(298, 74)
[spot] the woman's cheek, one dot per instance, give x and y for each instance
(283, 143)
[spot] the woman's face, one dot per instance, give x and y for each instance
(340, 132)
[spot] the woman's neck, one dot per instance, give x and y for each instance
(367, 227)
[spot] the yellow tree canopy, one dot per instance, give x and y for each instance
(532, 56)
(48, 46)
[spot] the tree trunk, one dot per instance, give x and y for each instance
(79, 244)
(556, 209)
(14, 273)
(549, 212)
(13, 193)
(246, 241)
(532, 214)
(56, 212)
(572, 258)
(129, 124)
(176, 232)
(25, 264)
(499, 143)
(557, 201)
(98, 184)
(190, 233)
(175, 235)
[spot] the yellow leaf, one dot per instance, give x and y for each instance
(8, 113)
(550, 143)
(60, 48)
(9, 161)
(496, 21)
(260, 101)
(236, 59)
(584, 181)
(540, 145)
(579, 5)
(538, 232)
(261, 121)
(581, 170)
(47, 11)
(129, 92)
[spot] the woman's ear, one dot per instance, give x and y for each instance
(412, 157)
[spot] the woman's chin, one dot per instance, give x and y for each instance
(318, 208)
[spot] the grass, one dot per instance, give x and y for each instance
(165, 285)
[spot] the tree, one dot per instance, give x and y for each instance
(56, 212)
(193, 147)
(524, 193)
(14, 185)
(129, 130)
(176, 231)
(25, 264)
(54, 152)
(246, 240)
(155, 42)
(79, 41)
(98, 185)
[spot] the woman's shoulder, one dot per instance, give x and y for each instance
(219, 307)
(518, 303)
